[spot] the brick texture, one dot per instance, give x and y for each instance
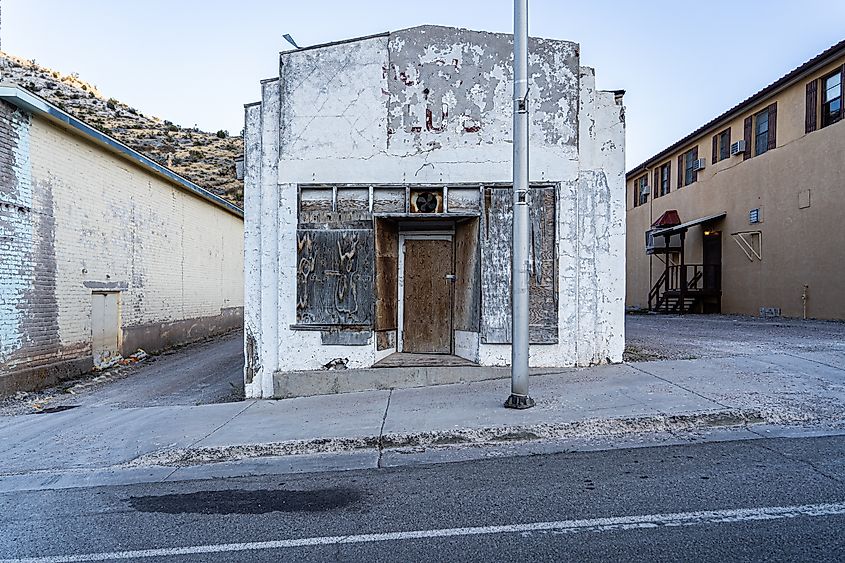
(74, 217)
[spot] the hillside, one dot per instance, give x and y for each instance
(205, 158)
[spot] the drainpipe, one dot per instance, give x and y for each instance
(519, 398)
(804, 302)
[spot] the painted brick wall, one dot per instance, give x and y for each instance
(16, 231)
(97, 220)
(177, 256)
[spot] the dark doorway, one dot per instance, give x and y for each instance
(712, 269)
(427, 295)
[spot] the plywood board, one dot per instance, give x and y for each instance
(387, 271)
(496, 237)
(467, 311)
(427, 303)
(334, 277)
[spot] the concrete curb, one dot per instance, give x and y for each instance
(291, 384)
(588, 428)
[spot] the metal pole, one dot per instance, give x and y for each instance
(519, 398)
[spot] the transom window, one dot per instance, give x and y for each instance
(761, 132)
(832, 98)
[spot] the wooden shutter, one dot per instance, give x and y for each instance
(773, 126)
(668, 176)
(715, 148)
(695, 157)
(656, 189)
(681, 171)
(749, 129)
(812, 109)
(729, 140)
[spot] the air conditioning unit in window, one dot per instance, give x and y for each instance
(738, 147)
(698, 164)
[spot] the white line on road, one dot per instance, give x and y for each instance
(561, 526)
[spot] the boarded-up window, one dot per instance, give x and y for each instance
(334, 277)
(496, 237)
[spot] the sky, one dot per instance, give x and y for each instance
(196, 62)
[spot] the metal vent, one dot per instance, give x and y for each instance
(426, 201)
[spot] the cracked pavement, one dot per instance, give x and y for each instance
(795, 386)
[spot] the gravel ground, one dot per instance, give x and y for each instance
(678, 337)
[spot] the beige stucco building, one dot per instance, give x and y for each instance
(102, 251)
(758, 193)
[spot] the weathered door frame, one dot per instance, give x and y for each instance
(411, 235)
(118, 314)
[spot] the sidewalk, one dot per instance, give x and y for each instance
(647, 402)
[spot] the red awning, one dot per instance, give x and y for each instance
(668, 219)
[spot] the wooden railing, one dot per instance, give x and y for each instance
(681, 282)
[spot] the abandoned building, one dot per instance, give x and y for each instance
(102, 250)
(744, 214)
(378, 207)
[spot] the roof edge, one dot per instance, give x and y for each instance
(26, 100)
(781, 83)
(338, 42)
(389, 33)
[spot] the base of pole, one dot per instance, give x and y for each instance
(519, 402)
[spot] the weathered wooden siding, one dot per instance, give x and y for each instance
(387, 270)
(496, 236)
(427, 318)
(468, 276)
(334, 277)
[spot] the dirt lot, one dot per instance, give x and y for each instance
(653, 337)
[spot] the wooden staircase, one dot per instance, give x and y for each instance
(688, 288)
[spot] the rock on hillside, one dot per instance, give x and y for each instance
(206, 159)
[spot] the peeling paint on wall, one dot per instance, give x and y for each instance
(451, 86)
(16, 228)
(430, 108)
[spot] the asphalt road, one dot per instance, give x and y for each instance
(197, 374)
(753, 500)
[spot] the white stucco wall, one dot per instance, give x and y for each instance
(432, 106)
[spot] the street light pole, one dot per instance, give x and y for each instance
(519, 398)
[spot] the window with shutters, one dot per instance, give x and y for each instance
(761, 132)
(725, 144)
(641, 190)
(831, 98)
(689, 166)
(665, 172)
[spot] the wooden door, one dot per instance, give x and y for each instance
(105, 326)
(427, 296)
(713, 260)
